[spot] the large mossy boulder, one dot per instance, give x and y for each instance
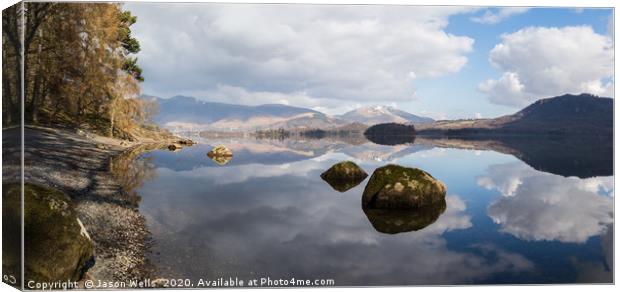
(396, 221)
(56, 244)
(11, 231)
(344, 175)
(397, 187)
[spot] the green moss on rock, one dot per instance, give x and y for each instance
(220, 151)
(57, 247)
(11, 231)
(344, 175)
(397, 187)
(344, 170)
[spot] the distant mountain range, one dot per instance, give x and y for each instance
(383, 114)
(566, 114)
(583, 114)
(182, 113)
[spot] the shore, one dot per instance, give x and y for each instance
(81, 165)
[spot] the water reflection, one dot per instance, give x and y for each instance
(343, 185)
(391, 140)
(540, 206)
(563, 156)
(273, 152)
(566, 156)
(132, 172)
(268, 213)
(600, 271)
(221, 160)
(396, 221)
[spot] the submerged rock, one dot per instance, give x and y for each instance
(392, 221)
(397, 187)
(344, 175)
(220, 151)
(57, 246)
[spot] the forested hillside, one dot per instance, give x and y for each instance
(78, 68)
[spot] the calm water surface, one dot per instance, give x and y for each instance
(267, 213)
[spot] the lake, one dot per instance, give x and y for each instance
(268, 213)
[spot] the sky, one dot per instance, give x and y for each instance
(444, 62)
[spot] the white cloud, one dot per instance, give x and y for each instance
(539, 62)
(310, 55)
(541, 206)
(497, 15)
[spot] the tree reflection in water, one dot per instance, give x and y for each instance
(132, 168)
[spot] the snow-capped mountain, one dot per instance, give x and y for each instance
(372, 115)
(182, 113)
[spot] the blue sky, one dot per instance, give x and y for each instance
(460, 97)
(442, 62)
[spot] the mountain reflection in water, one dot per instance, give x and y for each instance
(511, 216)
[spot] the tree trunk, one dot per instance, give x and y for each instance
(112, 114)
(18, 85)
(6, 88)
(34, 107)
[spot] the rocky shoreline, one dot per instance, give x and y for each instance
(82, 166)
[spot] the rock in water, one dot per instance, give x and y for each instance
(344, 175)
(57, 247)
(187, 142)
(220, 151)
(396, 187)
(174, 147)
(220, 155)
(392, 221)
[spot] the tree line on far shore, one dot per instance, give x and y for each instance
(78, 67)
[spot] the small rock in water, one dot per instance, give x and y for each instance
(220, 155)
(174, 147)
(397, 187)
(344, 175)
(187, 142)
(220, 151)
